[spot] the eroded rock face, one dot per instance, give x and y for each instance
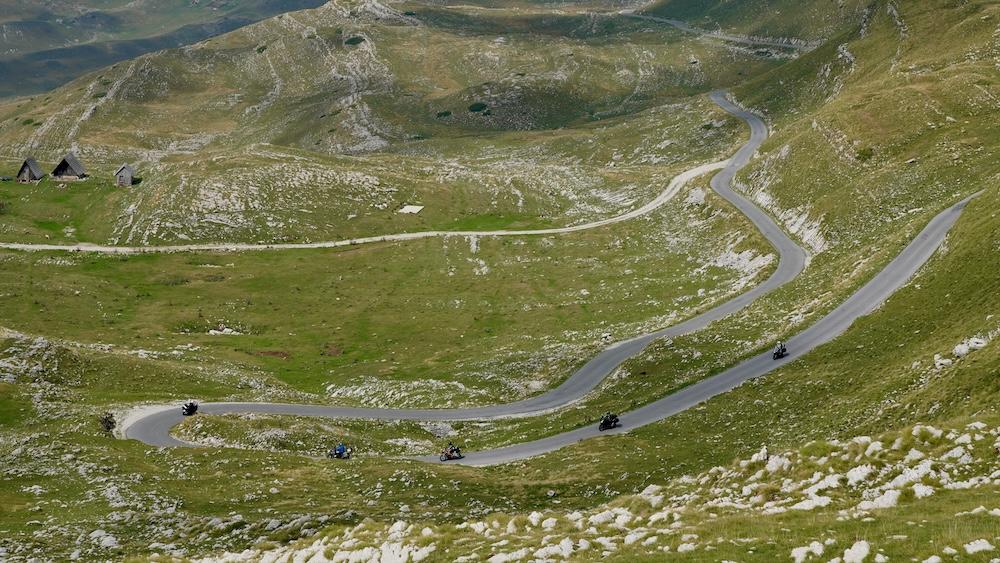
(27, 359)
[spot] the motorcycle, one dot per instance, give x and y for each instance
(189, 408)
(608, 422)
(450, 454)
(780, 351)
(334, 454)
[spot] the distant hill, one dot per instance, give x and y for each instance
(46, 44)
(800, 19)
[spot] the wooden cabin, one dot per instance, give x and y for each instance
(30, 171)
(69, 168)
(124, 176)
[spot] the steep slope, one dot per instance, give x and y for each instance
(772, 506)
(852, 207)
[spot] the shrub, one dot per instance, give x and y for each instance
(865, 154)
(173, 280)
(107, 421)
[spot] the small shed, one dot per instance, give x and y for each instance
(30, 171)
(69, 168)
(125, 176)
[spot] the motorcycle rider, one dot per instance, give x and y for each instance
(453, 450)
(779, 349)
(340, 450)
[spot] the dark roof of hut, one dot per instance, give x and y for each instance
(33, 166)
(125, 167)
(73, 165)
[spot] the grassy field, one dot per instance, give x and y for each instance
(484, 318)
(798, 504)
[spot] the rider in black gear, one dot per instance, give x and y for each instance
(609, 420)
(780, 351)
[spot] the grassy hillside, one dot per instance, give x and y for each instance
(828, 498)
(293, 128)
(874, 131)
(854, 213)
(272, 193)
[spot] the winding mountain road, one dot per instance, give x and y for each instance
(152, 425)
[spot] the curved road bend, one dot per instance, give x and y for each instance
(154, 427)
